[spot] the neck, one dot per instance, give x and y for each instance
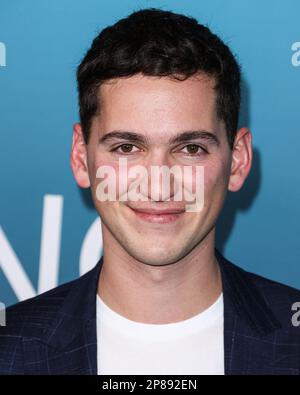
(160, 294)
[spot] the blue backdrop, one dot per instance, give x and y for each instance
(44, 214)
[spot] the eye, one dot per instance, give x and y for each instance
(193, 149)
(126, 148)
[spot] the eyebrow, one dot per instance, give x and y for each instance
(182, 137)
(195, 135)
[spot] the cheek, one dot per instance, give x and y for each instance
(115, 175)
(99, 161)
(214, 182)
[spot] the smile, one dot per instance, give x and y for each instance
(158, 216)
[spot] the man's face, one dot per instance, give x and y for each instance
(158, 109)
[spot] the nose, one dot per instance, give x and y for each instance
(163, 176)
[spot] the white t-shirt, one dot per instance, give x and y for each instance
(193, 346)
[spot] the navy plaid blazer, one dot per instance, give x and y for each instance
(55, 332)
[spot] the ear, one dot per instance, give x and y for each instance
(241, 159)
(79, 157)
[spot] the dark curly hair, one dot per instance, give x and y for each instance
(155, 42)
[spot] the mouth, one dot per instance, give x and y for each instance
(163, 216)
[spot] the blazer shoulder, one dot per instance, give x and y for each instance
(266, 303)
(29, 319)
(35, 320)
(283, 300)
(274, 291)
(39, 309)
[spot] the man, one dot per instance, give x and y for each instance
(157, 89)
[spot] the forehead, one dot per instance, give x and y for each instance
(158, 105)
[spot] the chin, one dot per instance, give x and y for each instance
(156, 257)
